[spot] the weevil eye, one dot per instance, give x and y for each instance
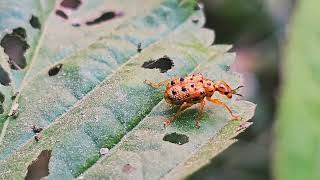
(229, 95)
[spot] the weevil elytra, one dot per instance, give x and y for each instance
(193, 89)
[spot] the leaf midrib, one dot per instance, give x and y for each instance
(33, 57)
(56, 120)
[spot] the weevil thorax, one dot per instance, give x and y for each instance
(209, 87)
(223, 88)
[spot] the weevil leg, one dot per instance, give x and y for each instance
(203, 103)
(219, 102)
(184, 106)
(157, 85)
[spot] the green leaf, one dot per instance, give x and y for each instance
(97, 96)
(149, 156)
(57, 39)
(46, 98)
(297, 130)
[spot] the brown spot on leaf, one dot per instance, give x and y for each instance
(127, 168)
(104, 17)
(176, 138)
(34, 22)
(139, 49)
(36, 129)
(61, 14)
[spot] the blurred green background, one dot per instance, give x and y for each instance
(257, 28)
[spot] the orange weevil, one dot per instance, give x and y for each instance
(193, 89)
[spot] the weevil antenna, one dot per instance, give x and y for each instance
(235, 91)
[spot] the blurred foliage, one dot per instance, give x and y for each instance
(297, 131)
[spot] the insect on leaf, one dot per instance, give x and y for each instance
(93, 99)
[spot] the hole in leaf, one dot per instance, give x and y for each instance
(15, 46)
(163, 64)
(104, 17)
(1, 98)
(176, 138)
(1, 101)
(4, 77)
(34, 22)
(55, 70)
(61, 14)
(40, 167)
(1, 109)
(71, 4)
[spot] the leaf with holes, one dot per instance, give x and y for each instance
(35, 36)
(45, 96)
(76, 110)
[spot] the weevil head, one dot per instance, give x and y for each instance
(223, 88)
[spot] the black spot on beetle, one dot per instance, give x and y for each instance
(34, 22)
(4, 77)
(176, 138)
(71, 4)
(181, 79)
(209, 84)
(201, 81)
(55, 70)
(202, 93)
(173, 92)
(104, 17)
(192, 85)
(39, 168)
(188, 95)
(163, 64)
(183, 89)
(15, 45)
(172, 83)
(211, 91)
(61, 14)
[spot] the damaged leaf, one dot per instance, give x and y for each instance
(88, 102)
